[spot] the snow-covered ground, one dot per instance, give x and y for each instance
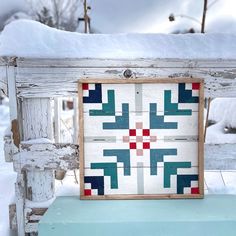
(7, 176)
(222, 113)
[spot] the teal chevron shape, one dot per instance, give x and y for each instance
(157, 155)
(172, 108)
(121, 122)
(170, 168)
(110, 169)
(157, 122)
(108, 109)
(123, 155)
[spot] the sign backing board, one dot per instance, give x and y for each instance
(141, 138)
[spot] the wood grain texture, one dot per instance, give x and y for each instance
(134, 63)
(46, 156)
(3, 79)
(33, 73)
(201, 139)
(81, 138)
(36, 124)
(41, 82)
(140, 197)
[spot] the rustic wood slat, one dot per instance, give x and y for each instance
(3, 79)
(47, 82)
(12, 217)
(46, 156)
(217, 156)
(134, 63)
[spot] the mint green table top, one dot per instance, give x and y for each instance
(215, 215)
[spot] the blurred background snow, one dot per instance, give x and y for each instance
(111, 16)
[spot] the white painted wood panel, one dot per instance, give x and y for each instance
(43, 156)
(50, 82)
(138, 62)
(3, 79)
(37, 123)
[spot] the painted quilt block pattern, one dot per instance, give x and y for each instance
(140, 139)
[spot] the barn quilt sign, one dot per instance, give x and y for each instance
(141, 138)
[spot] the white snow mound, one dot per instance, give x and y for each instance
(26, 38)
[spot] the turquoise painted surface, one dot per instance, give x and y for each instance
(214, 215)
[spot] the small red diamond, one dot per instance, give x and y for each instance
(194, 190)
(146, 132)
(87, 192)
(85, 86)
(195, 86)
(146, 145)
(132, 132)
(132, 145)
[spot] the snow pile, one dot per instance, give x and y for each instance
(25, 38)
(224, 109)
(7, 176)
(223, 113)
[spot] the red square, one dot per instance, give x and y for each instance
(132, 132)
(85, 86)
(132, 145)
(194, 190)
(87, 192)
(195, 86)
(146, 132)
(146, 145)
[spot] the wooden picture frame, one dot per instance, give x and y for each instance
(199, 83)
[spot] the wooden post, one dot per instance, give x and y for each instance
(85, 17)
(20, 183)
(75, 120)
(57, 119)
(207, 117)
(204, 16)
(37, 123)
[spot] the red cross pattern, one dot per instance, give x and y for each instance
(139, 138)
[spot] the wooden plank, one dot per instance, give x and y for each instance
(9, 149)
(81, 138)
(36, 124)
(201, 139)
(3, 79)
(33, 216)
(143, 80)
(40, 82)
(75, 120)
(20, 203)
(46, 156)
(217, 156)
(57, 119)
(134, 63)
(12, 217)
(20, 181)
